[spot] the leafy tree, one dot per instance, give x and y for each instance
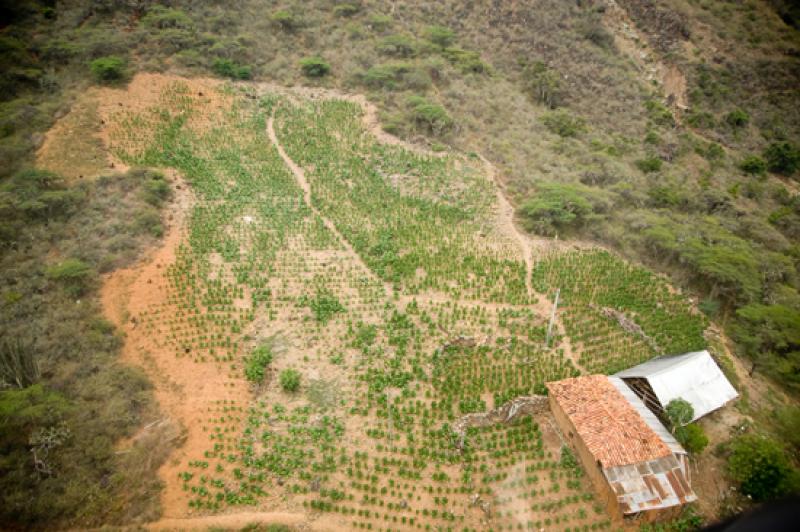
(440, 35)
(108, 69)
(558, 207)
(346, 10)
(257, 363)
(290, 380)
(314, 67)
(430, 116)
(782, 158)
(398, 46)
(761, 467)
(679, 412)
(285, 19)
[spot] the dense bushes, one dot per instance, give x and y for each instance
(762, 468)
(79, 400)
(753, 164)
(556, 208)
(782, 158)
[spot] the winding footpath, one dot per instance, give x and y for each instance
(300, 176)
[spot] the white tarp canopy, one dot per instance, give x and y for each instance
(693, 376)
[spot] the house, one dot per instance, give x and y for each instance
(694, 377)
(636, 465)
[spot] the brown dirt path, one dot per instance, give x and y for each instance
(184, 389)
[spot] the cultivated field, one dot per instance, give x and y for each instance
(394, 281)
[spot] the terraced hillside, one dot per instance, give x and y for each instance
(393, 281)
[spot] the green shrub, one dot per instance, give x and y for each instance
(737, 118)
(659, 113)
(398, 46)
(387, 75)
(164, 18)
(231, 69)
(692, 437)
(701, 119)
(379, 22)
(73, 274)
(782, 158)
(285, 19)
(465, 60)
(440, 35)
(314, 67)
(753, 164)
(290, 380)
(649, 164)
(429, 116)
(563, 123)
(346, 10)
(108, 69)
(761, 467)
(257, 363)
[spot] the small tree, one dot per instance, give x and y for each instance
(315, 67)
(108, 69)
(284, 19)
(762, 468)
(429, 116)
(440, 35)
(753, 164)
(692, 437)
(290, 380)
(737, 118)
(679, 412)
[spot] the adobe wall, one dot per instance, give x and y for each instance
(605, 495)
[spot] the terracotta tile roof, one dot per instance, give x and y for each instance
(610, 427)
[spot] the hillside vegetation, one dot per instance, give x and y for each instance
(664, 132)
